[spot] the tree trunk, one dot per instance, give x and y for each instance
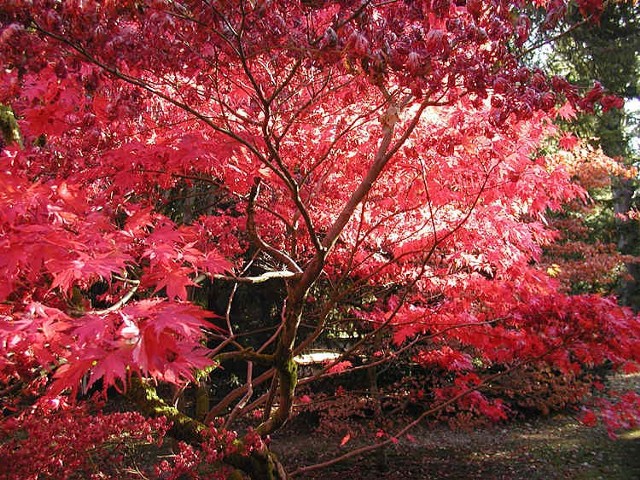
(9, 131)
(259, 465)
(628, 240)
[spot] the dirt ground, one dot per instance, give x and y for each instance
(555, 447)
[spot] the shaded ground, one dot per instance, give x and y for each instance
(557, 447)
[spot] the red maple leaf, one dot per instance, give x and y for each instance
(568, 141)
(214, 263)
(184, 319)
(567, 112)
(175, 280)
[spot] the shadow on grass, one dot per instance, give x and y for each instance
(546, 449)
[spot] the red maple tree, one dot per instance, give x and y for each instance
(378, 160)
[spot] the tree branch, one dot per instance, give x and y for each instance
(255, 236)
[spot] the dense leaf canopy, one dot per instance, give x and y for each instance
(381, 161)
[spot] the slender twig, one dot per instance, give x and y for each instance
(244, 400)
(264, 277)
(123, 301)
(255, 236)
(223, 404)
(564, 33)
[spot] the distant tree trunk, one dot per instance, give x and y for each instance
(628, 241)
(610, 130)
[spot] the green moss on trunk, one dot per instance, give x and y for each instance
(259, 465)
(287, 370)
(9, 127)
(150, 404)
(202, 402)
(263, 465)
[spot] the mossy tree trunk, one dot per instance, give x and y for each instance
(259, 465)
(9, 130)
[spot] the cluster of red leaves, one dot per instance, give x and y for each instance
(153, 338)
(472, 404)
(57, 242)
(58, 237)
(538, 387)
(586, 267)
(501, 322)
(334, 412)
(493, 327)
(588, 166)
(617, 415)
(205, 462)
(72, 443)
